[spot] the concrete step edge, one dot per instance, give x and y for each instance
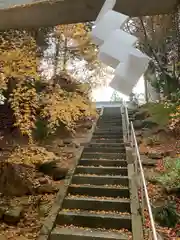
(91, 199)
(93, 215)
(101, 176)
(107, 160)
(90, 233)
(98, 187)
(100, 167)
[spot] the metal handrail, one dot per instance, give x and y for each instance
(127, 125)
(144, 192)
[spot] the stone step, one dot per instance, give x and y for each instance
(94, 220)
(99, 191)
(112, 137)
(112, 110)
(97, 205)
(88, 203)
(105, 141)
(101, 180)
(111, 114)
(108, 130)
(112, 171)
(108, 134)
(109, 125)
(110, 117)
(75, 233)
(104, 163)
(115, 123)
(106, 145)
(106, 155)
(108, 137)
(105, 149)
(109, 122)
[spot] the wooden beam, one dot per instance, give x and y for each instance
(51, 13)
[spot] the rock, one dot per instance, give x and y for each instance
(43, 180)
(39, 174)
(44, 209)
(46, 188)
(146, 161)
(139, 133)
(61, 145)
(12, 182)
(160, 237)
(173, 190)
(147, 132)
(155, 155)
(88, 125)
(138, 124)
(142, 114)
(51, 169)
(2, 211)
(169, 153)
(13, 215)
(67, 141)
(152, 141)
(149, 123)
(160, 129)
(21, 238)
(149, 141)
(59, 174)
(139, 140)
(2, 237)
(76, 145)
(25, 201)
(144, 129)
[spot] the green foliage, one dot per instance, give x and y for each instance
(174, 123)
(115, 97)
(170, 178)
(41, 130)
(153, 140)
(40, 107)
(159, 113)
(166, 215)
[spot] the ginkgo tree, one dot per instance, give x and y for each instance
(73, 44)
(29, 96)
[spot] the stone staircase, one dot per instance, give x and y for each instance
(97, 204)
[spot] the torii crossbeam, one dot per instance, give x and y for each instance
(50, 13)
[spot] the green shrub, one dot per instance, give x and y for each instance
(41, 130)
(159, 112)
(166, 215)
(170, 178)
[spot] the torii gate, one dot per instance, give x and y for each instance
(43, 13)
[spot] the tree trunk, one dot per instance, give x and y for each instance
(56, 56)
(65, 55)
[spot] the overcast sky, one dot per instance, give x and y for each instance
(104, 93)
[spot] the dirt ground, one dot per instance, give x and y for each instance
(37, 206)
(168, 147)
